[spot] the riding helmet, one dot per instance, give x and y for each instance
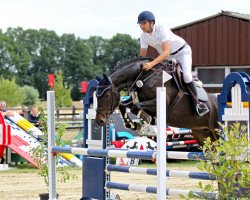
(145, 16)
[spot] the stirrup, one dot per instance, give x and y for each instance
(201, 111)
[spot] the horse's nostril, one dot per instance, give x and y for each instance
(100, 122)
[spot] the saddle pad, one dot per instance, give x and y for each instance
(201, 94)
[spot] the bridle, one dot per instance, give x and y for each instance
(111, 104)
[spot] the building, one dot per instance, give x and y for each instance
(220, 45)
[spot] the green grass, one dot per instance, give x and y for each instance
(23, 168)
(27, 168)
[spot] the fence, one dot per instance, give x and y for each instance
(62, 113)
(72, 116)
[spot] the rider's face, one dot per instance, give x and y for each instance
(146, 26)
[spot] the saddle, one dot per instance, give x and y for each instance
(181, 85)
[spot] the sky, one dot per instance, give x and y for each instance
(106, 18)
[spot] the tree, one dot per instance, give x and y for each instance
(21, 58)
(11, 92)
(97, 45)
(47, 60)
(77, 63)
(31, 95)
(119, 48)
(30, 55)
(62, 93)
(7, 67)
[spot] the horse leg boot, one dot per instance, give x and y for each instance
(200, 107)
(146, 118)
(142, 110)
(141, 114)
(127, 121)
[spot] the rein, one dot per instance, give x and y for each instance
(135, 80)
(163, 64)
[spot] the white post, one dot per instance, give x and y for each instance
(161, 143)
(51, 143)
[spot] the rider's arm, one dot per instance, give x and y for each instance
(143, 52)
(160, 58)
(7, 113)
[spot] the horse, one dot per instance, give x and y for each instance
(142, 84)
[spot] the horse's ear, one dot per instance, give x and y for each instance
(107, 79)
(98, 78)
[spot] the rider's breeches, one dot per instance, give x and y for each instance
(184, 57)
(186, 65)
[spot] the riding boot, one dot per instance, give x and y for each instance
(200, 107)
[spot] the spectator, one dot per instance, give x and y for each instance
(34, 117)
(4, 111)
(21, 113)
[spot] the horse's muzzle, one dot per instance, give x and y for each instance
(100, 120)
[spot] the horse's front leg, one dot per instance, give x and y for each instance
(127, 121)
(146, 111)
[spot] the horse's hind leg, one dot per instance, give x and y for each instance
(202, 134)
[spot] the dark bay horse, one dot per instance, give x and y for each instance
(130, 77)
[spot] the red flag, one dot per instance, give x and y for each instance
(84, 86)
(51, 82)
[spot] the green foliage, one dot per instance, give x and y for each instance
(229, 162)
(120, 47)
(62, 94)
(11, 92)
(6, 56)
(77, 63)
(30, 55)
(31, 95)
(40, 154)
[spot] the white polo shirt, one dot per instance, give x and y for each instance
(160, 35)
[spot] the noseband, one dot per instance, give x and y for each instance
(111, 104)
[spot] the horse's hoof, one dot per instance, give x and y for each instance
(147, 120)
(138, 127)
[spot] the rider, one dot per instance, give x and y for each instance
(168, 46)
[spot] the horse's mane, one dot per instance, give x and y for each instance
(128, 61)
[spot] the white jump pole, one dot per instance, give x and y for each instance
(51, 143)
(161, 143)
